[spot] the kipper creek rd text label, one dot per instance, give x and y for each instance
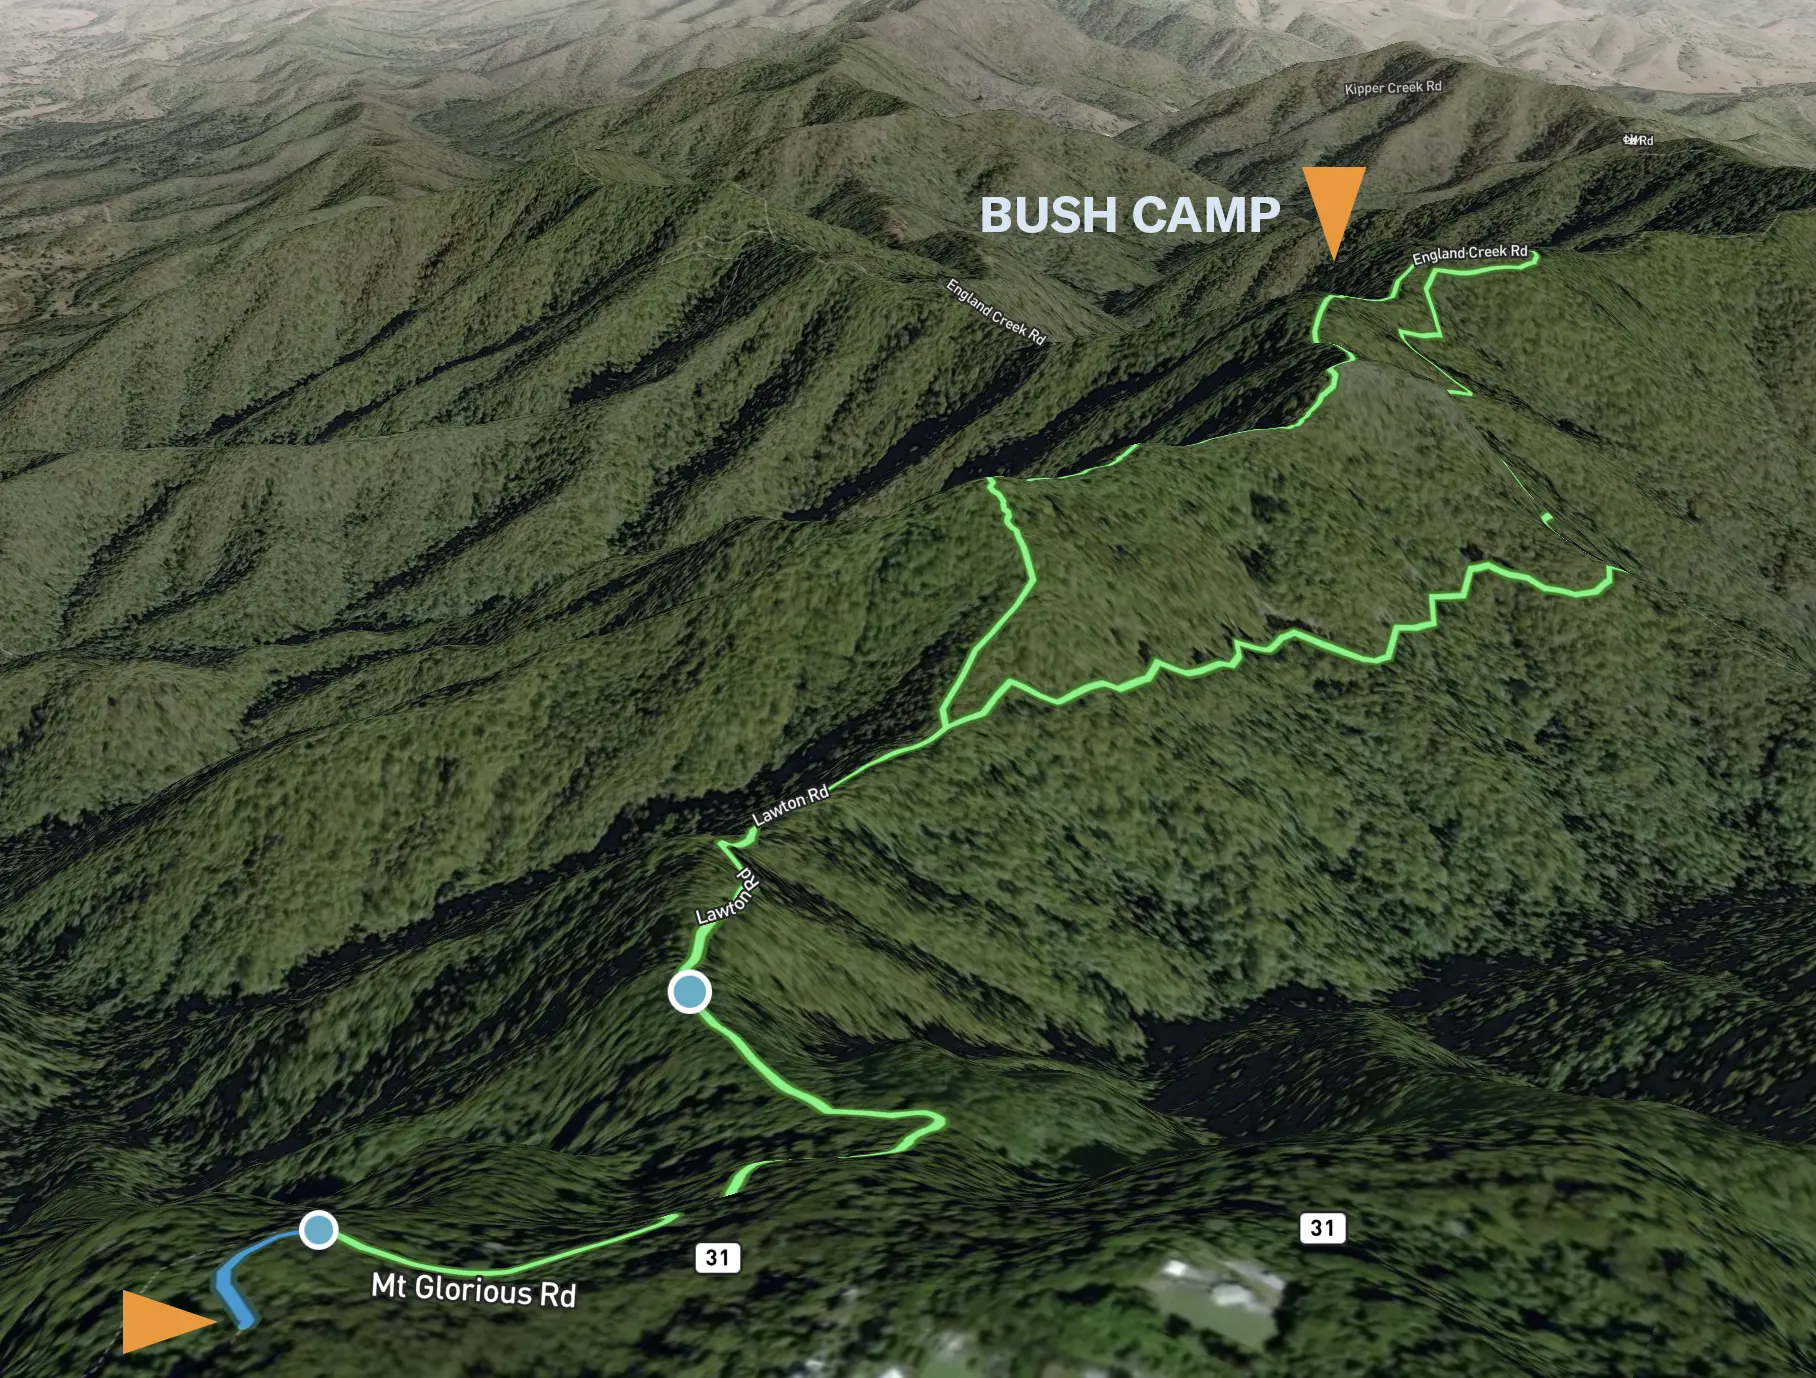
(1149, 215)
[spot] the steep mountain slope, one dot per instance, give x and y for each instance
(1674, 45)
(680, 275)
(158, 137)
(465, 1025)
(136, 59)
(396, 617)
(834, 126)
(1775, 125)
(1080, 61)
(96, 218)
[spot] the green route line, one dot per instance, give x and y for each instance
(742, 1175)
(747, 839)
(946, 720)
(932, 1121)
(362, 1247)
(1331, 375)
(1155, 667)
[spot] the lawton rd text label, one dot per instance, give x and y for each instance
(434, 1287)
(816, 793)
(747, 884)
(1151, 215)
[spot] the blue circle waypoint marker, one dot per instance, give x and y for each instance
(689, 991)
(319, 1230)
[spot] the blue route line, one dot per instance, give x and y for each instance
(243, 1314)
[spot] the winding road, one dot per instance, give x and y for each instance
(928, 1122)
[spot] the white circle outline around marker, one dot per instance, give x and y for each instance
(682, 975)
(334, 1230)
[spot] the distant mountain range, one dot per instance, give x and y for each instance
(143, 139)
(1089, 62)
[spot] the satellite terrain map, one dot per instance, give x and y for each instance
(908, 688)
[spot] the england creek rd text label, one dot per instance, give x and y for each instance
(991, 314)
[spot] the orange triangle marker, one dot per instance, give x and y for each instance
(1333, 192)
(146, 1322)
